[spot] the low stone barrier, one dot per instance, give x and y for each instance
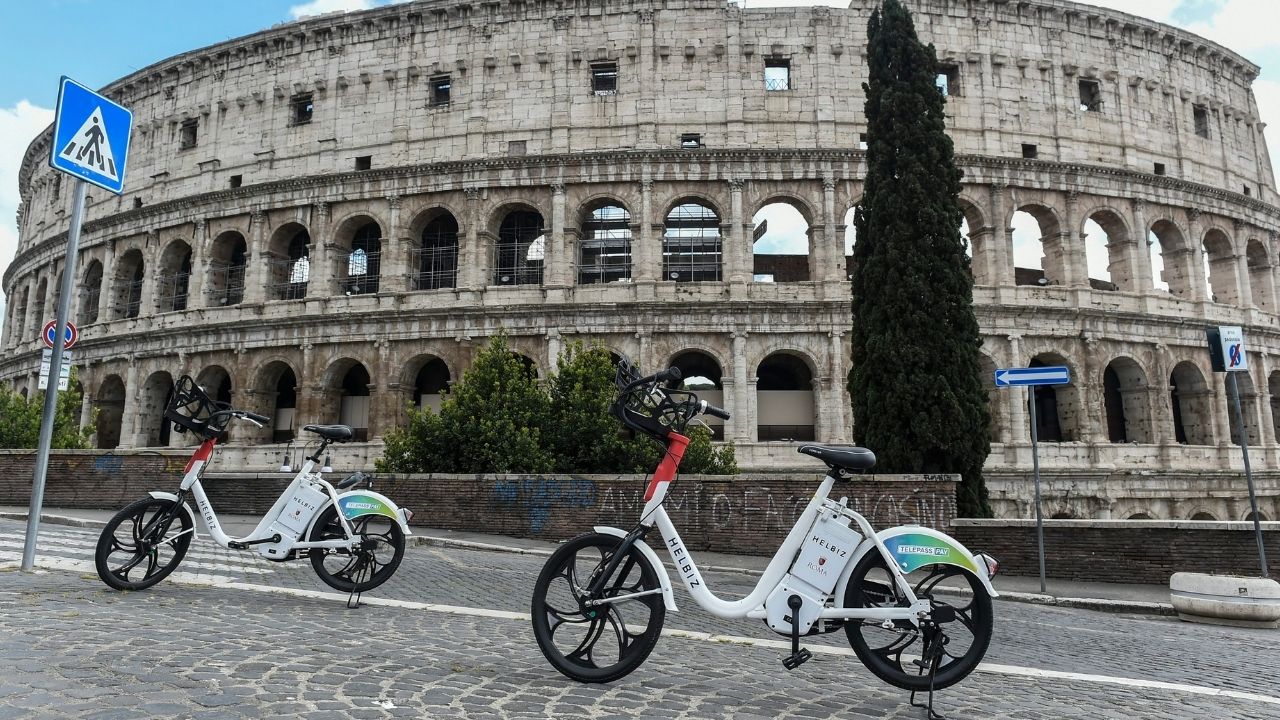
(747, 514)
(1124, 551)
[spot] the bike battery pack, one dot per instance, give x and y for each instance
(297, 513)
(823, 557)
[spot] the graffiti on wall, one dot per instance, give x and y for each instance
(536, 497)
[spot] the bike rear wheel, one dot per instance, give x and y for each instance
(364, 568)
(601, 642)
(143, 543)
(891, 654)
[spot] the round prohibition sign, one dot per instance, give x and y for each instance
(68, 340)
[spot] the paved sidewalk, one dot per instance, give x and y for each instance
(1107, 597)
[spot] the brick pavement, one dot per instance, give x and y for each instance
(74, 649)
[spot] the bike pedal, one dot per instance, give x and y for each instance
(797, 659)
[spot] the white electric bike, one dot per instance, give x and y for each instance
(600, 600)
(354, 538)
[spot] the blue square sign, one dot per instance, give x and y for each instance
(90, 136)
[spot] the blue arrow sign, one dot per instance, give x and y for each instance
(90, 136)
(1009, 377)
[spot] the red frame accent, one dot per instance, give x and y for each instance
(666, 471)
(204, 452)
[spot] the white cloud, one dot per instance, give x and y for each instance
(320, 7)
(1242, 25)
(1158, 10)
(18, 127)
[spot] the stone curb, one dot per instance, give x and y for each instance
(1097, 604)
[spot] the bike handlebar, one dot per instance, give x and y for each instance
(255, 418)
(714, 411)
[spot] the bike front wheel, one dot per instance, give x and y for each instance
(893, 654)
(378, 552)
(605, 639)
(143, 543)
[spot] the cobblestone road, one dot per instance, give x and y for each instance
(71, 648)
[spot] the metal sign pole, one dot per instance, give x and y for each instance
(55, 370)
(1035, 463)
(1248, 472)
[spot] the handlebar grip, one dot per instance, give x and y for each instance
(263, 419)
(714, 411)
(671, 374)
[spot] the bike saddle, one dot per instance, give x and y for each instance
(847, 457)
(332, 433)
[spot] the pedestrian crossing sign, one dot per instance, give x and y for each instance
(90, 136)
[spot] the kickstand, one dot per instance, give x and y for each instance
(934, 640)
(364, 571)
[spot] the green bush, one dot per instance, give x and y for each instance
(20, 419)
(491, 421)
(498, 418)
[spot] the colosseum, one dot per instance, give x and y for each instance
(325, 220)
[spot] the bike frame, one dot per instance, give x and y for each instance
(191, 483)
(753, 605)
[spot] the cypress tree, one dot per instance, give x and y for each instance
(918, 401)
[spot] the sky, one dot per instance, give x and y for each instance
(98, 41)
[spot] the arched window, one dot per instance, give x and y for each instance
(436, 258)
(520, 249)
(691, 244)
(1192, 404)
(1125, 400)
(226, 270)
(702, 375)
(91, 293)
(780, 250)
(430, 384)
(605, 249)
(290, 253)
(156, 392)
(364, 261)
(353, 406)
(110, 405)
(1220, 268)
(129, 278)
(175, 277)
(784, 399)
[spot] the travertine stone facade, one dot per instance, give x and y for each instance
(357, 201)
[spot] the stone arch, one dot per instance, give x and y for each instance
(289, 259)
(345, 396)
(434, 260)
(156, 392)
(18, 319)
(1192, 403)
(1202, 515)
(519, 244)
(110, 406)
(604, 243)
(786, 403)
(692, 242)
(1035, 233)
(703, 374)
(275, 388)
(1220, 267)
(429, 377)
(1248, 516)
(776, 255)
(1141, 515)
(995, 398)
(1172, 259)
(130, 276)
(976, 236)
(358, 256)
(1248, 408)
(228, 256)
(42, 294)
(90, 293)
(173, 277)
(1273, 390)
(1261, 275)
(1126, 402)
(1108, 250)
(1059, 411)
